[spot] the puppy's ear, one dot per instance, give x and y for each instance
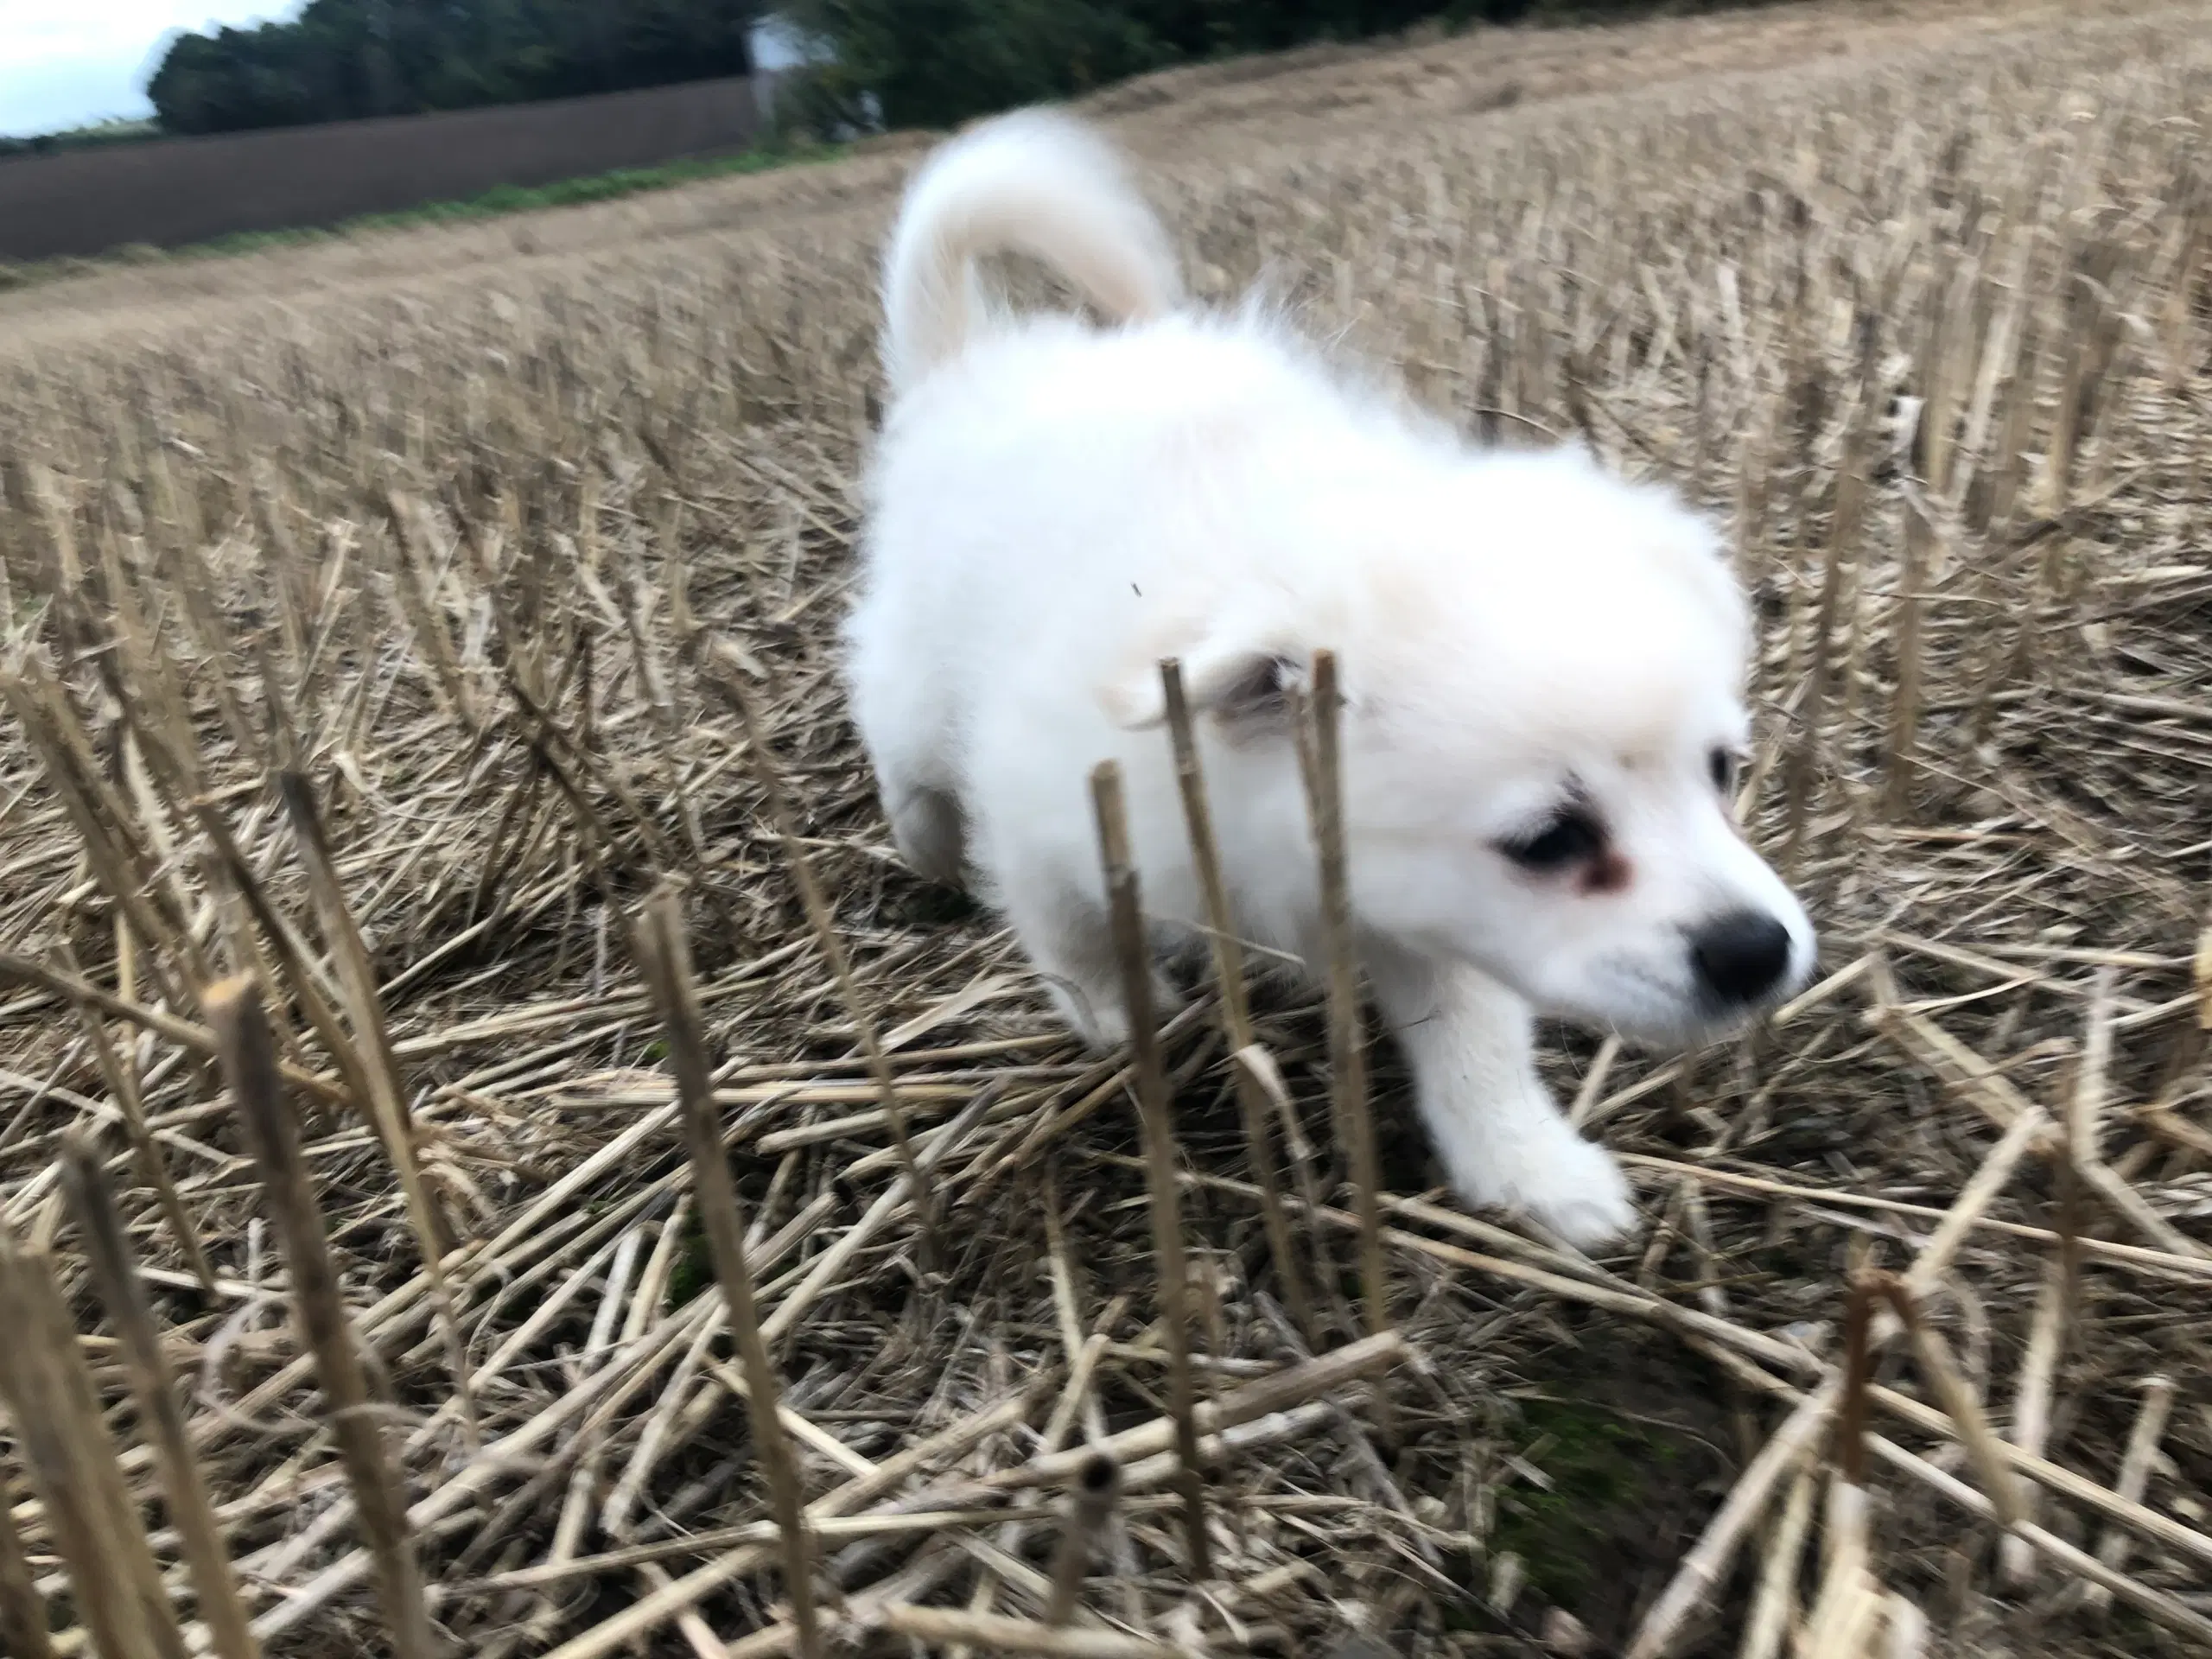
(1245, 687)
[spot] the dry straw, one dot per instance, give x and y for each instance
(249, 1065)
(50, 1395)
(383, 620)
(1097, 1484)
(154, 1388)
(667, 963)
(730, 681)
(1229, 984)
(22, 1610)
(1132, 950)
(1347, 1034)
(377, 1067)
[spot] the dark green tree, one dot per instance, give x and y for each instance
(341, 58)
(934, 63)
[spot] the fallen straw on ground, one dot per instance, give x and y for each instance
(386, 621)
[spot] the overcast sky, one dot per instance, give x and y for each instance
(65, 62)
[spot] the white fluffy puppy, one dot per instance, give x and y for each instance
(1541, 664)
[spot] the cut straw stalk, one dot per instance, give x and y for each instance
(668, 970)
(2155, 1263)
(280, 948)
(193, 1038)
(2156, 1604)
(1774, 1604)
(1082, 1353)
(23, 1629)
(1848, 1606)
(2174, 1614)
(95, 1527)
(123, 1085)
(1132, 948)
(1959, 1403)
(356, 979)
(2201, 974)
(940, 1627)
(190, 1511)
(585, 1482)
(105, 826)
(1261, 1065)
(1089, 1509)
(650, 1612)
(1235, 1011)
(2084, 1152)
(2031, 1404)
(379, 1069)
(1309, 1379)
(250, 1064)
(1347, 1042)
(864, 1527)
(1802, 775)
(1996, 1462)
(730, 678)
(2086, 1103)
(1705, 1567)
(2135, 1465)
(2145, 1522)
(1850, 1448)
(1920, 561)
(1253, 1427)
(601, 1395)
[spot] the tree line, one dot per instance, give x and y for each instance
(906, 63)
(934, 63)
(343, 58)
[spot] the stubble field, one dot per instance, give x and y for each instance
(383, 622)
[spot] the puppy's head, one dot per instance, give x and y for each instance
(1543, 670)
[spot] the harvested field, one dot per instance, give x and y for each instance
(386, 623)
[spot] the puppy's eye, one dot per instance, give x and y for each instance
(1567, 839)
(1723, 766)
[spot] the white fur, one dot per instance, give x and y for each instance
(1032, 183)
(1056, 508)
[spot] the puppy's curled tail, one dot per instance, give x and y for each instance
(1034, 182)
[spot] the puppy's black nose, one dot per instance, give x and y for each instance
(1740, 957)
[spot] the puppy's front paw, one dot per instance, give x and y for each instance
(1599, 1211)
(1571, 1186)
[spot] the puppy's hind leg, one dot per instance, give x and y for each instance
(900, 708)
(1501, 1139)
(930, 832)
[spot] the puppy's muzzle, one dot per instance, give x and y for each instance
(1741, 958)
